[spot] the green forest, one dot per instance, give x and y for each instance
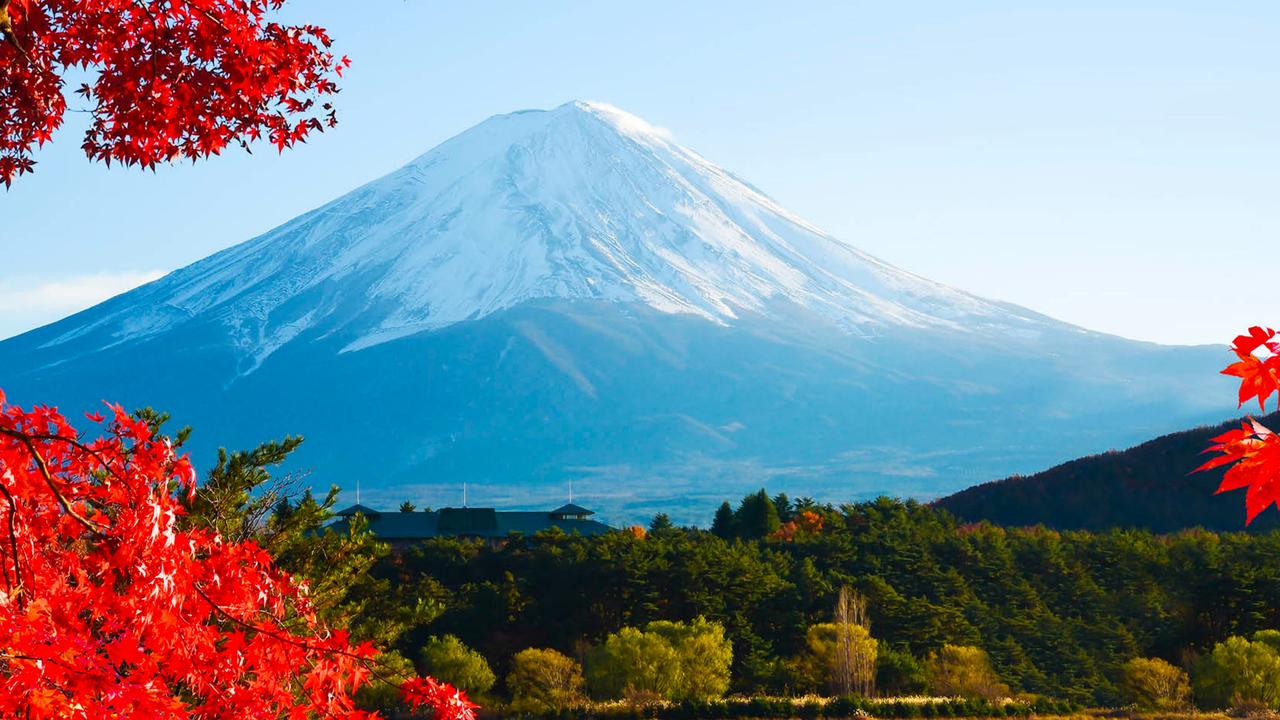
(1076, 616)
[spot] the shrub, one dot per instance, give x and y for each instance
(1238, 671)
(825, 643)
(704, 655)
(964, 671)
(665, 661)
(632, 663)
(543, 680)
(448, 659)
(1153, 684)
(900, 673)
(380, 694)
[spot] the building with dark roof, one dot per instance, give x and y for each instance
(405, 528)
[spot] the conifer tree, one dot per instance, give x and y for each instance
(722, 525)
(757, 516)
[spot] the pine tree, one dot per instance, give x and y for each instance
(757, 516)
(722, 525)
(660, 522)
(783, 504)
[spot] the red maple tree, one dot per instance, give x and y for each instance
(165, 80)
(109, 609)
(1252, 452)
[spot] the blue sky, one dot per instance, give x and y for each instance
(1113, 164)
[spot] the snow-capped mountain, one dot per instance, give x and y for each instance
(545, 279)
(583, 202)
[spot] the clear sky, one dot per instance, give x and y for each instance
(1113, 164)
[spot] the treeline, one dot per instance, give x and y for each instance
(1058, 613)
(1148, 486)
(949, 608)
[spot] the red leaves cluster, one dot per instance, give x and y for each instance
(109, 609)
(173, 80)
(1259, 376)
(445, 700)
(806, 522)
(1252, 452)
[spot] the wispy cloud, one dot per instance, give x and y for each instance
(26, 304)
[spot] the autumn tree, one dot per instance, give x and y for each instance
(449, 659)
(1239, 671)
(111, 608)
(1153, 684)
(964, 671)
(164, 80)
(633, 664)
(703, 655)
(543, 680)
(1252, 452)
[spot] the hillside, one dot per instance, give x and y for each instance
(1147, 486)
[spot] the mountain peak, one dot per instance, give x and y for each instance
(571, 294)
(582, 202)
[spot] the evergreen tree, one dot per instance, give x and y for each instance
(407, 507)
(783, 504)
(660, 522)
(757, 516)
(722, 525)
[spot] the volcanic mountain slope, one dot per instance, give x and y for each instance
(1149, 486)
(569, 294)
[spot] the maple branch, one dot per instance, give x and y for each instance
(6, 30)
(75, 443)
(43, 466)
(13, 540)
(208, 15)
(286, 638)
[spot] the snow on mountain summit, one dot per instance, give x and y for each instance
(584, 201)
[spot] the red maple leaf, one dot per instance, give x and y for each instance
(171, 80)
(108, 608)
(1259, 376)
(1251, 453)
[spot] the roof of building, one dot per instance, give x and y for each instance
(358, 508)
(474, 522)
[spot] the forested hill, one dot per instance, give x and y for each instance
(1147, 487)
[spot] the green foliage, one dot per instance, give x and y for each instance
(898, 672)
(667, 661)
(407, 507)
(1268, 637)
(1239, 672)
(1146, 487)
(353, 580)
(543, 680)
(631, 663)
(384, 694)
(783, 505)
(1058, 613)
(825, 642)
(704, 653)
(240, 492)
(840, 708)
(1153, 684)
(756, 517)
(447, 658)
(241, 499)
(964, 671)
(722, 524)
(660, 523)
